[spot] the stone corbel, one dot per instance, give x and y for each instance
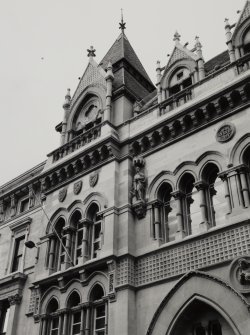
(15, 299)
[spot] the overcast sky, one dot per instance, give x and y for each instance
(43, 52)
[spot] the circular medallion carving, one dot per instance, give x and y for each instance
(62, 194)
(225, 133)
(239, 273)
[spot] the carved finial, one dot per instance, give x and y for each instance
(122, 23)
(66, 103)
(226, 22)
(91, 51)
(197, 43)
(177, 37)
(158, 65)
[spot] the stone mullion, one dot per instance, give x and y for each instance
(65, 323)
(86, 224)
(68, 237)
(52, 253)
(157, 220)
(87, 321)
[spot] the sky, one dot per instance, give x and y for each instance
(44, 51)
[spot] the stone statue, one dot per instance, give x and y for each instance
(139, 184)
(244, 271)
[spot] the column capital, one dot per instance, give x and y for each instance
(68, 229)
(200, 185)
(15, 299)
(85, 221)
(177, 194)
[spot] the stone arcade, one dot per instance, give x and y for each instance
(139, 223)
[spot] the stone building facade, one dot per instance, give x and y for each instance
(139, 222)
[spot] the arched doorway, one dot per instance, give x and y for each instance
(200, 318)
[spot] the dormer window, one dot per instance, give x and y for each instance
(180, 80)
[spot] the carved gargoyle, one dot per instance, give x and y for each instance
(244, 271)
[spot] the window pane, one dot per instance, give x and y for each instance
(77, 317)
(55, 322)
(76, 329)
(100, 311)
(100, 323)
(97, 230)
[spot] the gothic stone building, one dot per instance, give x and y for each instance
(138, 223)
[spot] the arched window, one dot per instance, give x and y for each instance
(75, 321)
(215, 195)
(99, 315)
(56, 253)
(246, 42)
(94, 231)
(168, 223)
(53, 318)
(76, 248)
(190, 205)
(180, 80)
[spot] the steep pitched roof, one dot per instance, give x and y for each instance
(217, 61)
(245, 13)
(122, 49)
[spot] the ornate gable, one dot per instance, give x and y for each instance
(180, 53)
(244, 14)
(93, 75)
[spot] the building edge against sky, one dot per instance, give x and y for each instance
(138, 223)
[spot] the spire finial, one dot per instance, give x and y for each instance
(66, 103)
(177, 37)
(122, 23)
(91, 51)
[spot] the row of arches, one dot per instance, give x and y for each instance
(191, 120)
(196, 198)
(76, 317)
(73, 237)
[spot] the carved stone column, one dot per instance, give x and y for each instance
(87, 321)
(201, 188)
(14, 302)
(12, 205)
(157, 220)
(82, 322)
(65, 323)
(244, 186)
(109, 81)
(68, 231)
(44, 325)
(180, 233)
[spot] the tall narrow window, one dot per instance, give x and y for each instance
(75, 314)
(99, 311)
(18, 253)
(190, 205)
(168, 226)
(95, 231)
(53, 321)
(56, 250)
(77, 237)
(215, 195)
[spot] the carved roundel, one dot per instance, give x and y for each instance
(225, 133)
(239, 273)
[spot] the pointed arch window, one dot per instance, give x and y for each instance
(190, 205)
(53, 318)
(99, 315)
(75, 322)
(167, 215)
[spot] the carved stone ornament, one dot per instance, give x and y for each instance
(77, 187)
(225, 133)
(15, 299)
(139, 180)
(240, 273)
(93, 178)
(140, 209)
(62, 194)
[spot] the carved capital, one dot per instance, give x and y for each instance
(177, 195)
(15, 299)
(140, 209)
(200, 185)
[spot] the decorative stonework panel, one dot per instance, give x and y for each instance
(32, 302)
(181, 259)
(177, 55)
(225, 133)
